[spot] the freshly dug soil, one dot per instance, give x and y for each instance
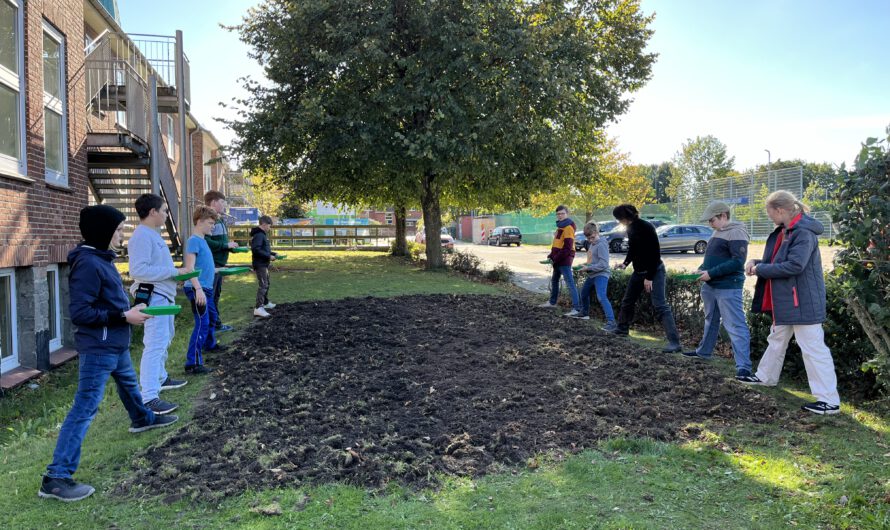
(368, 391)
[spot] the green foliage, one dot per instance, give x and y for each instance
(863, 214)
(849, 345)
(435, 103)
(697, 162)
(465, 262)
(500, 273)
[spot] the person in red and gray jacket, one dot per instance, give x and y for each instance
(644, 253)
(562, 255)
(791, 287)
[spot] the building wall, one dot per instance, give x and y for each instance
(38, 221)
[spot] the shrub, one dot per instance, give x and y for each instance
(465, 262)
(500, 273)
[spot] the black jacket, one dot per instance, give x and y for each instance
(98, 301)
(643, 249)
(260, 248)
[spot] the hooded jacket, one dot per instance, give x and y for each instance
(260, 248)
(725, 256)
(562, 250)
(798, 285)
(218, 241)
(98, 302)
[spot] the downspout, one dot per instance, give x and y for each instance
(192, 134)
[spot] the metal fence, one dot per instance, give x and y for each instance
(746, 195)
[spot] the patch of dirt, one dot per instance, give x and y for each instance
(368, 391)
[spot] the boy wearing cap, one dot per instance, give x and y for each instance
(723, 278)
(101, 311)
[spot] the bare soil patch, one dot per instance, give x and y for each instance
(369, 391)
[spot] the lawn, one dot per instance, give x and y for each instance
(814, 472)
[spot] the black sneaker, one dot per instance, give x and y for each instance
(694, 355)
(620, 332)
(160, 421)
(222, 328)
(159, 406)
(218, 348)
(197, 369)
(749, 379)
(672, 349)
(64, 489)
(170, 383)
(821, 407)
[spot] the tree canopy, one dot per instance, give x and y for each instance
(435, 103)
(699, 161)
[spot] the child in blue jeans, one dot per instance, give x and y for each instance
(598, 273)
(199, 291)
(101, 311)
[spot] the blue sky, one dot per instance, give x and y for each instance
(803, 78)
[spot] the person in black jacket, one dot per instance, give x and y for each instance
(261, 255)
(101, 311)
(644, 253)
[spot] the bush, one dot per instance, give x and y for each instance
(416, 251)
(500, 273)
(465, 262)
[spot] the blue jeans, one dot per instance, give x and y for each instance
(600, 284)
(94, 371)
(204, 334)
(663, 312)
(217, 291)
(726, 305)
(564, 271)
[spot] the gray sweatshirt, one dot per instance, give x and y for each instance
(151, 262)
(599, 259)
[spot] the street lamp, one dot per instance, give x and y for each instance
(769, 166)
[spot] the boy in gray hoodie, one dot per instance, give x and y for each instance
(598, 274)
(722, 277)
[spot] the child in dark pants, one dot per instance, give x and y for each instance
(101, 311)
(199, 291)
(262, 255)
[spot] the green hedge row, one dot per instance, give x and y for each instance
(849, 345)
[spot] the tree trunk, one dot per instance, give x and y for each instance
(588, 215)
(432, 221)
(401, 245)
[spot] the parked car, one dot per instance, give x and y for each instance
(681, 238)
(617, 235)
(447, 240)
(581, 243)
(505, 235)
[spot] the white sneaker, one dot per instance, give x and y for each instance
(548, 304)
(261, 312)
(270, 305)
(572, 313)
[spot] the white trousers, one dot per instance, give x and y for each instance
(816, 359)
(158, 334)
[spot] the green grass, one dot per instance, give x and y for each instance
(751, 476)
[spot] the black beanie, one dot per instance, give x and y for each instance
(98, 223)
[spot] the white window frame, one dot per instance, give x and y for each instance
(171, 138)
(55, 341)
(16, 167)
(12, 361)
(208, 179)
(388, 218)
(59, 106)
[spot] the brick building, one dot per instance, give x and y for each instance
(79, 124)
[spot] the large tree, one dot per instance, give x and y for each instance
(697, 162)
(436, 103)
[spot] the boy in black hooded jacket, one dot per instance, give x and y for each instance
(261, 255)
(101, 311)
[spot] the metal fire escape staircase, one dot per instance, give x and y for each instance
(126, 93)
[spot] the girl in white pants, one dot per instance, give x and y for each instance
(791, 287)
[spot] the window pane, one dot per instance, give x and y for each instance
(54, 145)
(8, 37)
(5, 318)
(53, 307)
(52, 67)
(9, 121)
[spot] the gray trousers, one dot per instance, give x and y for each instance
(262, 290)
